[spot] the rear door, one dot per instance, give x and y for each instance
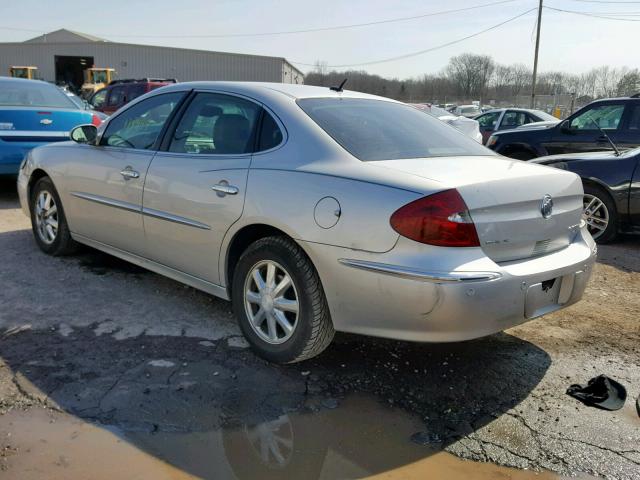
(105, 182)
(581, 133)
(195, 189)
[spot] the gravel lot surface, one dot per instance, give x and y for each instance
(109, 343)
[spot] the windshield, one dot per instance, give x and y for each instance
(544, 116)
(379, 130)
(32, 94)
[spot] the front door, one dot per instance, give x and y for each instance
(195, 190)
(581, 134)
(105, 182)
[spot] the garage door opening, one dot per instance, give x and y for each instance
(69, 70)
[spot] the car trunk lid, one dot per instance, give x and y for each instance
(504, 198)
(39, 122)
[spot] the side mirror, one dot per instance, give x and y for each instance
(565, 127)
(84, 134)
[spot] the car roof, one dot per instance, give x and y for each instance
(292, 90)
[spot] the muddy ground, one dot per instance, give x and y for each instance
(90, 341)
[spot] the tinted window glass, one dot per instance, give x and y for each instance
(381, 130)
(140, 125)
(116, 97)
(21, 93)
(216, 124)
(98, 99)
(606, 116)
(634, 118)
(488, 120)
(135, 91)
(513, 119)
(270, 133)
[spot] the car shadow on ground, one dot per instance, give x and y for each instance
(8, 192)
(623, 254)
(155, 389)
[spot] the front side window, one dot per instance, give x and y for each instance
(380, 130)
(607, 117)
(98, 99)
(216, 124)
(488, 120)
(139, 126)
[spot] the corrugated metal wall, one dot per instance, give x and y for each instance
(138, 61)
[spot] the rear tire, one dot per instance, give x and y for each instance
(279, 302)
(48, 221)
(601, 213)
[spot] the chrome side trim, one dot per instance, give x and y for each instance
(33, 133)
(131, 207)
(413, 274)
(150, 212)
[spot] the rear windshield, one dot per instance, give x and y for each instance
(33, 94)
(379, 130)
(545, 116)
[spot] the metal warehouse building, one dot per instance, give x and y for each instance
(62, 56)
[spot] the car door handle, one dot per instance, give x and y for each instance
(225, 188)
(128, 173)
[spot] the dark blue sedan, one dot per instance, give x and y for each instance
(33, 113)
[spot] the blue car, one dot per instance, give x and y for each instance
(33, 113)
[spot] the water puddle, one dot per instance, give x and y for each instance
(42, 445)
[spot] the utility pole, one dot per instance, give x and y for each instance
(535, 58)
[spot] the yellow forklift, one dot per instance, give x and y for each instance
(23, 72)
(95, 79)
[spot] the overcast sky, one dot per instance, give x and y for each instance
(570, 42)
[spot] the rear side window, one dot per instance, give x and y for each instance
(270, 133)
(380, 130)
(135, 91)
(216, 124)
(634, 118)
(116, 96)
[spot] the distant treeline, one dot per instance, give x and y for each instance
(470, 77)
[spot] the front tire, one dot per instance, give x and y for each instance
(600, 214)
(279, 302)
(48, 221)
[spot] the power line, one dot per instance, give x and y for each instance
(308, 30)
(597, 15)
(427, 50)
(607, 2)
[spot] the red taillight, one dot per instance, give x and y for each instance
(440, 219)
(95, 120)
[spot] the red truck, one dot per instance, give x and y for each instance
(121, 92)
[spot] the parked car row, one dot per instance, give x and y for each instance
(468, 126)
(120, 92)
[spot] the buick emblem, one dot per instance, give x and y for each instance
(46, 121)
(546, 206)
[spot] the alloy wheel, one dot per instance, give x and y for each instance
(271, 302)
(46, 215)
(596, 214)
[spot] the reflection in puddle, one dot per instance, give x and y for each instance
(361, 439)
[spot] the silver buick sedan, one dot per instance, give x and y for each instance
(314, 210)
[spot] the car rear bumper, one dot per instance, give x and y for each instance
(12, 152)
(406, 300)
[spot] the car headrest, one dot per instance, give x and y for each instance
(210, 111)
(231, 133)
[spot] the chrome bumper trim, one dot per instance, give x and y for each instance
(406, 272)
